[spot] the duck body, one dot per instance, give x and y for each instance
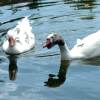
(88, 47)
(85, 48)
(19, 39)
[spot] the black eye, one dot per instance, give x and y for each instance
(47, 39)
(52, 37)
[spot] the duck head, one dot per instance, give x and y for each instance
(52, 40)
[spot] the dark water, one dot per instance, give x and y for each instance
(39, 74)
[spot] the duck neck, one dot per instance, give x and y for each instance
(64, 50)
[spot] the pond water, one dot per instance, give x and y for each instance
(39, 74)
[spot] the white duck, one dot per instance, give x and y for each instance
(19, 39)
(86, 48)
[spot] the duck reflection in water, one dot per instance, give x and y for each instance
(12, 67)
(95, 61)
(58, 80)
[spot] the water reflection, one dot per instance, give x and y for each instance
(85, 5)
(81, 4)
(58, 80)
(12, 67)
(4, 2)
(93, 61)
(34, 4)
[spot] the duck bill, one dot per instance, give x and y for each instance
(11, 41)
(47, 44)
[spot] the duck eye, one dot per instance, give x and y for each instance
(52, 37)
(47, 39)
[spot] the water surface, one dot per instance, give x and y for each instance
(39, 74)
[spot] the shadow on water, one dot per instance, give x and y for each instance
(12, 67)
(59, 79)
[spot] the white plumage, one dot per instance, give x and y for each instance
(19, 39)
